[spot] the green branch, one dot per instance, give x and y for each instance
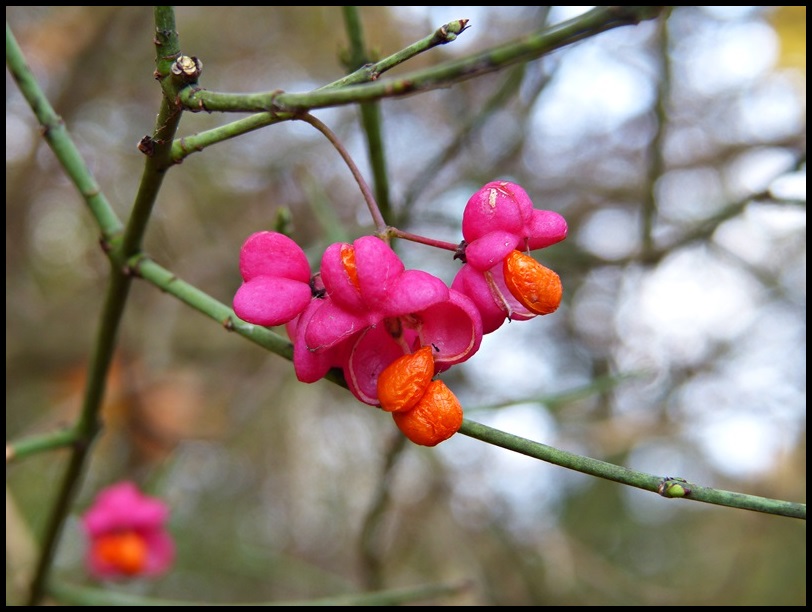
(174, 73)
(183, 147)
(198, 300)
(88, 596)
(159, 160)
(525, 49)
(666, 486)
(86, 428)
(57, 137)
(655, 160)
(117, 246)
(370, 114)
(190, 295)
(370, 72)
(367, 73)
(40, 443)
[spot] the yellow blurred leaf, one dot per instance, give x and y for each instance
(789, 23)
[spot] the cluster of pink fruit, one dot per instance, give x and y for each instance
(392, 330)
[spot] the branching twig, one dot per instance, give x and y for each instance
(370, 114)
(123, 244)
(528, 48)
(370, 72)
(117, 247)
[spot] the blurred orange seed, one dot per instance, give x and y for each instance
(126, 551)
(535, 286)
(404, 381)
(435, 418)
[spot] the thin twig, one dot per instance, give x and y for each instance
(525, 49)
(666, 486)
(370, 114)
(374, 210)
(367, 73)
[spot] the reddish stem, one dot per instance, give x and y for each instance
(440, 244)
(377, 217)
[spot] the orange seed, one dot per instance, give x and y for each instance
(126, 551)
(348, 261)
(404, 381)
(435, 418)
(535, 286)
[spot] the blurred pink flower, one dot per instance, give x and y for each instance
(498, 219)
(127, 534)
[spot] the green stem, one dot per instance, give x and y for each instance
(82, 435)
(370, 72)
(656, 163)
(167, 44)
(86, 428)
(525, 49)
(159, 156)
(158, 160)
(190, 295)
(151, 179)
(193, 297)
(667, 486)
(197, 142)
(88, 596)
(370, 114)
(266, 338)
(57, 137)
(40, 444)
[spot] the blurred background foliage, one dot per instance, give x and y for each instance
(675, 149)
